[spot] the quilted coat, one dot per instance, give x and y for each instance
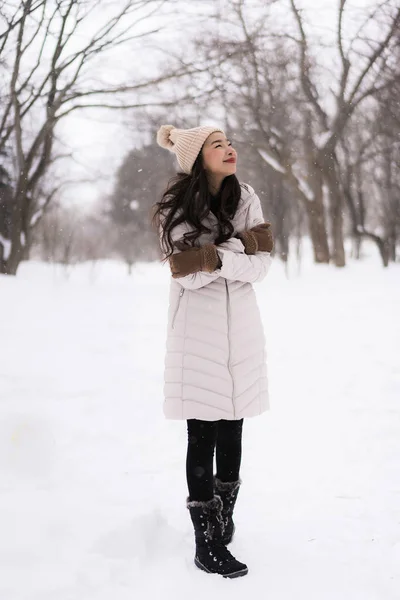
(215, 360)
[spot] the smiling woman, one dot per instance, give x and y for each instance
(212, 231)
(219, 160)
(208, 181)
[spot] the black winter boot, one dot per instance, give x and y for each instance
(228, 491)
(211, 554)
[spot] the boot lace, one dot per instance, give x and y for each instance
(222, 552)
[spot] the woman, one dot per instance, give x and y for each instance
(213, 233)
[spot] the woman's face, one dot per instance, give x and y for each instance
(217, 152)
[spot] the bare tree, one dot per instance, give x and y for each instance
(6, 198)
(371, 183)
(259, 74)
(357, 81)
(299, 136)
(50, 51)
(67, 236)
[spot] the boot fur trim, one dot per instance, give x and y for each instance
(227, 485)
(213, 510)
(214, 504)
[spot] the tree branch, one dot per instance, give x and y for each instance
(344, 59)
(304, 70)
(373, 58)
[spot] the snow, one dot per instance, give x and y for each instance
(322, 138)
(271, 161)
(276, 132)
(93, 488)
(305, 188)
(35, 217)
(6, 246)
(302, 183)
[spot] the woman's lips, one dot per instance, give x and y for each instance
(231, 160)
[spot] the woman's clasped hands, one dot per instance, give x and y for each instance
(206, 258)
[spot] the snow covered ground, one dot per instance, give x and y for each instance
(92, 476)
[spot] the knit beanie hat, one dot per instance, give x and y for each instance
(186, 143)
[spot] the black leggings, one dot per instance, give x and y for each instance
(203, 438)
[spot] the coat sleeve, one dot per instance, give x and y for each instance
(193, 281)
(200, 279)
(246, 267)
(236, 264)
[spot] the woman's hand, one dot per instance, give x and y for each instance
(257, 239)
(193, 260)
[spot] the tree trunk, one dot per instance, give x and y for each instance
(316, 212)
(356, 247)
(393, 248)
(11, 266)
(2, 261)
(315, 204)
(16, 254)
(316, 225)
(383, 247)
(336, 212)
(17, 226)
(327, 164)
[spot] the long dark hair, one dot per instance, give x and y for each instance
(187, 198)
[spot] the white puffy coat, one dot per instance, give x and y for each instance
(215, 360)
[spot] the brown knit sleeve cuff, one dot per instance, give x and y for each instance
(249, 241)
(210, 258)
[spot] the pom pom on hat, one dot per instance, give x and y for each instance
(163, 137)
(185, 143)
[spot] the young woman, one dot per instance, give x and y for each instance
(213, 234)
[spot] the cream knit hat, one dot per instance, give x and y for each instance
(186, 143)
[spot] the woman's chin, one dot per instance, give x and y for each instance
(230, 168)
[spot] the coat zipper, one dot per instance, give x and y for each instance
(228, 312)
(177, 306)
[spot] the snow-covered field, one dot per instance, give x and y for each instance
(92, 476)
